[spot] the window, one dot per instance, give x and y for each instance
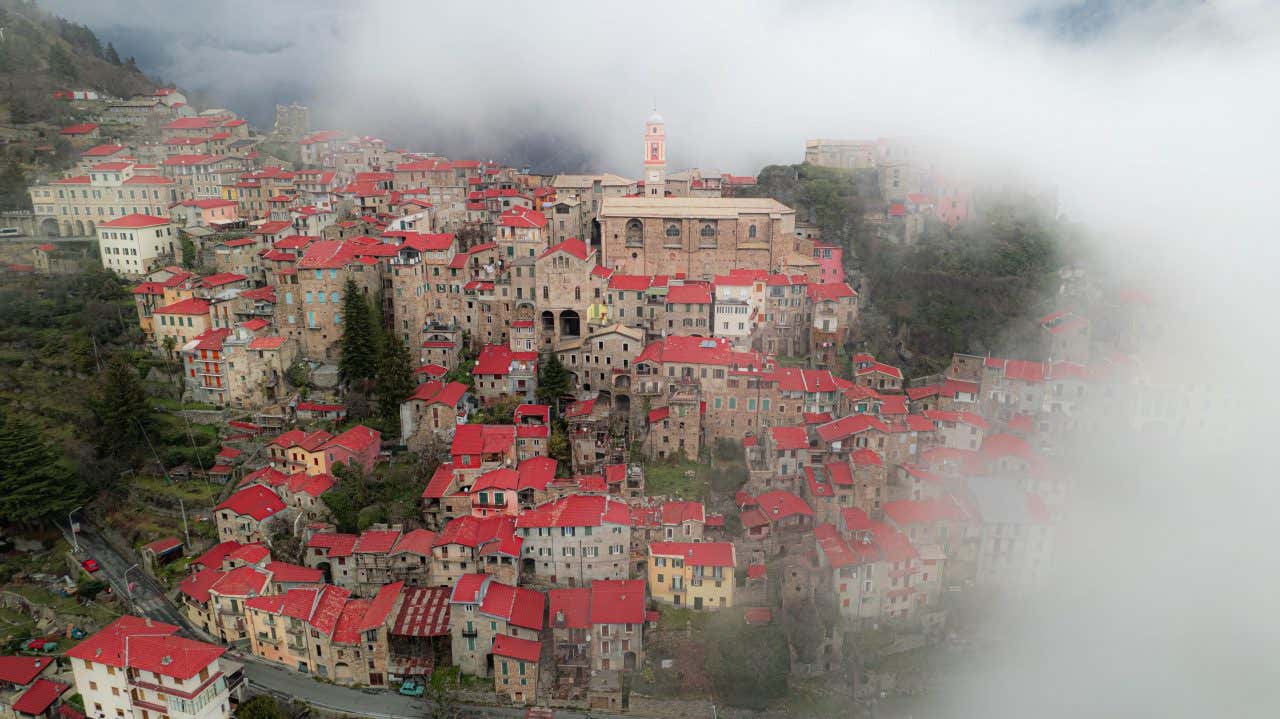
(673, 230)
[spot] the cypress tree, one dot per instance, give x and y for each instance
(120, 412)
(359, 353)
(554, 380)
(34, 484)
(394, 381)
(112, 56)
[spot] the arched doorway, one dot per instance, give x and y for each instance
(92, 230)
(548, 322)
(49, 227)
(342, 673)
(68, 230)
(570, 324)
(327, 570)
(79, 228)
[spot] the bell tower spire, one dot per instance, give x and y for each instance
(655, 156)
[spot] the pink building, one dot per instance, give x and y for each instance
(830, 262)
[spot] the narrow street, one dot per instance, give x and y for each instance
(149, 601)
(145, 597)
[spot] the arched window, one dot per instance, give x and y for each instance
(708, 230)
(751, 232)
(673, 230)
(635, 232)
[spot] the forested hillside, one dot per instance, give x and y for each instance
(974, 288)
(39, 54)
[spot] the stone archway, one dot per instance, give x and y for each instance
(570, 324)
(49, 227)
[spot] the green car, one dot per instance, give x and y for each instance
(412, 688)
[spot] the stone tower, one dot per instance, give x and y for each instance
(655, 156)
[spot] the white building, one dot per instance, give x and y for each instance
(129, 245)
(140, 669)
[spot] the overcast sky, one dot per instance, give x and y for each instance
(1157, 120)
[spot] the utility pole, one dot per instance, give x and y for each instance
(182, 506)
(75, 543)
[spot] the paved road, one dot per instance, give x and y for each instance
(287, 684)
(147, 598)
(149, 601)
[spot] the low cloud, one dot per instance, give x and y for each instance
(1156, 120)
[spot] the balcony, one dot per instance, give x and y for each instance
(471, 633)
(648, 388)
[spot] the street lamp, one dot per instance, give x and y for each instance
(128, 592)
(75, 544)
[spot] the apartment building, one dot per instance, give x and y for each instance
(696, 575)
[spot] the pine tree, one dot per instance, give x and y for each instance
(394, 381)
(554, 381)
(60, 63)
(359, 353)
(120, 412)
(34, 484)
(112, 56)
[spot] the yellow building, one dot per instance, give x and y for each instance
(697, 575)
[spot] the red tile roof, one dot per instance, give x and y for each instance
(570, 608)
(849, 426)
(22, 670)
(576, 510)
(572, 246)
(256, 501)
(152, 647)
(698, 554)
(518, 605)
(424, 612)
(790, 438)
(778, 504)
(923, 511)
(617, 601)
(189, 306)
(689, 293)
(37, 699)
(698, 350)
(83, 128)
(525, 650)
(135, 221)
(522, 217)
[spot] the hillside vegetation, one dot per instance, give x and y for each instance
(42, 53)
(969, 289)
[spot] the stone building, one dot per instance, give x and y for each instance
(699, 237)
(575, 540)
(481, 609)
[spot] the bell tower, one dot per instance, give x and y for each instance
(655, 156)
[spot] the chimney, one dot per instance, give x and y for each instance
(148, 621)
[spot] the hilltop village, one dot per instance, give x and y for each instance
(641, 399)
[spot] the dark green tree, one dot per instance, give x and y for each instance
(359, 353)
(262, 706)
(34, 483)
(554, 381)
(120, 412)
(111, 55)
(394, 381)
(61, 64)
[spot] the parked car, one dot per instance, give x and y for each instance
(90, 565)
(412, 688)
